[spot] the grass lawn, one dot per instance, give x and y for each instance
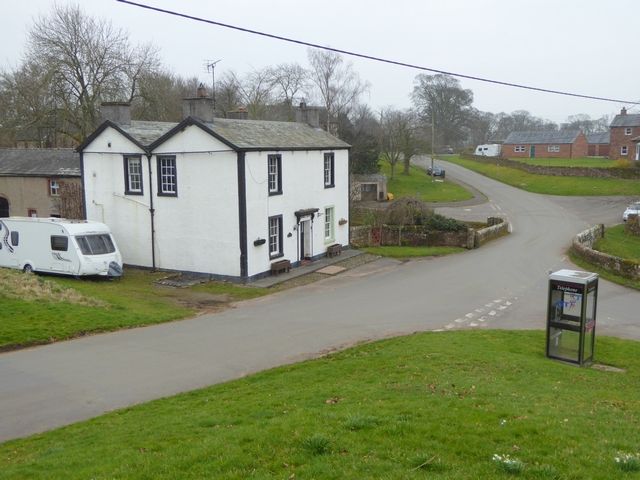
(568, 162)
(410, 252)
(581, 186)
(619, 243)
(41, 309)
(435, 405)
(418, 184)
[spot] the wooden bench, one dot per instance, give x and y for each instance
(334, 250)
(280, 266)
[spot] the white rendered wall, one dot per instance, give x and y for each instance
(126, 216)
(302, 188)
(196, 231)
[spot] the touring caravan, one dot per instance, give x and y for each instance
(55, 245)
(489, 150)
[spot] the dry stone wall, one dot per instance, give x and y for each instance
(628, 173)
(583, 246)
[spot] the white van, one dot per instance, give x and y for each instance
(57, 245)
(489, 150)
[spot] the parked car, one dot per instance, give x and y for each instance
(633, 209)
(436, 172)
(446, 150)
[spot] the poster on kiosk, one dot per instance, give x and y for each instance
(571, 316)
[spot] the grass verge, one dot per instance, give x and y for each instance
(551, 185)
(411, 252)
(435, 405)
(619, 243)
(418, 184)
(43, 309)
(568, 162)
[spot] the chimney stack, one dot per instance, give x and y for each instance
(200, 106)
(623, 111)
(308, 115)
(240, 114)
(117, 112)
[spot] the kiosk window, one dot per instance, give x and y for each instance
(59, 243)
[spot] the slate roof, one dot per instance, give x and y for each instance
(39, 162)
(599, 138)
(542, 137)
(628, 120)
(241, 134)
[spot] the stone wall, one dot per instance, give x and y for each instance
(632, 226)
(417, 235)
(629, 173)
(583, 246)
(497, 228)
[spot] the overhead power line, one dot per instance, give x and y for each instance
(374, 58)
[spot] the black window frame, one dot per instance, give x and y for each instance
(280, 252)
(58, 248)
(161, 192)
(127, 175)
(332, 162)
(278, 158)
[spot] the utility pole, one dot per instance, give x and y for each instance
(211, 67)
(433, 139)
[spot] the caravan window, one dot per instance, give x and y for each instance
(15, 238)
(59, 243)
(95, 244)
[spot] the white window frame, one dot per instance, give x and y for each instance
(274, 174)
(329, 224)
(519, 149)
(329, 170)
(167, 176)
(624, 150)
(133, 178)
(628, 131)
(553, 148)
(54, 188)
(275, 236)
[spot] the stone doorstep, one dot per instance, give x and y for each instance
(331, 270)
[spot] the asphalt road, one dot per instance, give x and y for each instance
(502, 285)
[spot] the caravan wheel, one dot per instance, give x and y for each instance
(27, 268)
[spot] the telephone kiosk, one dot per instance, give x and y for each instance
(571, 316)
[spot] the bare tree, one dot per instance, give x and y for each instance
(391, 126)
(288, 80)
(440, 99)
(338, 85)
(255, 92)
(228, 95)
(160, 96)
(86, 61)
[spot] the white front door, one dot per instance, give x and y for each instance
(638, 151)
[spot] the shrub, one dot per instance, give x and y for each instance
(445, 224)
(408, 211)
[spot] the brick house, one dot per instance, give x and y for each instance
(624, 128)
(545, 144)
(33, 179)
(598, 144)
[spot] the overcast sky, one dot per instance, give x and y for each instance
(586, 46)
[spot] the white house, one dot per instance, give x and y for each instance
(216, 196)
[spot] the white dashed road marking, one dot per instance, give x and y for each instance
(498, 308)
